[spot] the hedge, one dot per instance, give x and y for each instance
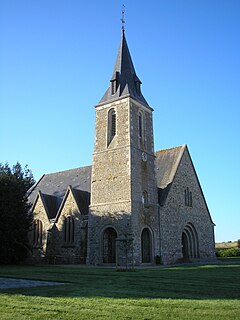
(231, 252)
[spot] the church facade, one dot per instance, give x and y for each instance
(132, 205)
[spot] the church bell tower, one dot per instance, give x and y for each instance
(124, 203)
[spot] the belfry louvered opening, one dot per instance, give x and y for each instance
(112, 124)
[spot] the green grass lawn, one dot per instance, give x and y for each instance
(183, 292)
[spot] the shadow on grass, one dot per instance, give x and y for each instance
(206, 282)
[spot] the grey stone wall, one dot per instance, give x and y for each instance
(175, 215)
(111, 164)
(54, 249)
(143, 179)
(115, 215)
(119, 177)
(74, 252)
(39, 252)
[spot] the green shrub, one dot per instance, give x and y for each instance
(231, 252)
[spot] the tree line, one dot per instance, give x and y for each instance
(15, 217)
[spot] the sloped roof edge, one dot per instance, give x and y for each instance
(70, 189)
(165, 187)
(176, 164)
(40, 195)
(34, 186)
(200, 187)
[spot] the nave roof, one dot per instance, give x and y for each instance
(54, 186)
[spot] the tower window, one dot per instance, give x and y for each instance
(112, 124)
(138, 87)
(140, 124)
(114, 85)
(113, 127)
(145, 199)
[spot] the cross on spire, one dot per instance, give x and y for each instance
(123, 13)
(124, 82)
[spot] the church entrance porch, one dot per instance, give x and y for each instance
(190, 245)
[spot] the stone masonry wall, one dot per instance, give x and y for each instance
(175, 215)
(71, 252)
(111, 184)
(143, 179)
(115, 215)
(111, 164)
(119, 177)
(39, 252)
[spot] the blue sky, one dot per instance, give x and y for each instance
(56, 60)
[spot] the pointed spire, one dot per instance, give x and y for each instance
(124, 81)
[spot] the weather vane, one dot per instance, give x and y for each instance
(123, 12)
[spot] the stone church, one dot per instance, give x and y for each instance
(133, 204)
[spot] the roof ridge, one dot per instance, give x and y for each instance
(168, 149)
(48, 174)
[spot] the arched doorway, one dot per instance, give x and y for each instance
(109, 245)
(185, 251)
(146, 246)
(190, 245)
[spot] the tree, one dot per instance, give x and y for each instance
(15, 219)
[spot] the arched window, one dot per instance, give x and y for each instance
(37, 233)
(145, 199)
(146, 243)
(109, 245)
(69, 230)
(112, 124)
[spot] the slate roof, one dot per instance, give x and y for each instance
(166, 164)
(82, 199)
(52, 204)
(53, 187)
(56, 184)
(125, 74)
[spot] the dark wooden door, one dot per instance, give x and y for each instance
(146, 246)
(109, 245)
